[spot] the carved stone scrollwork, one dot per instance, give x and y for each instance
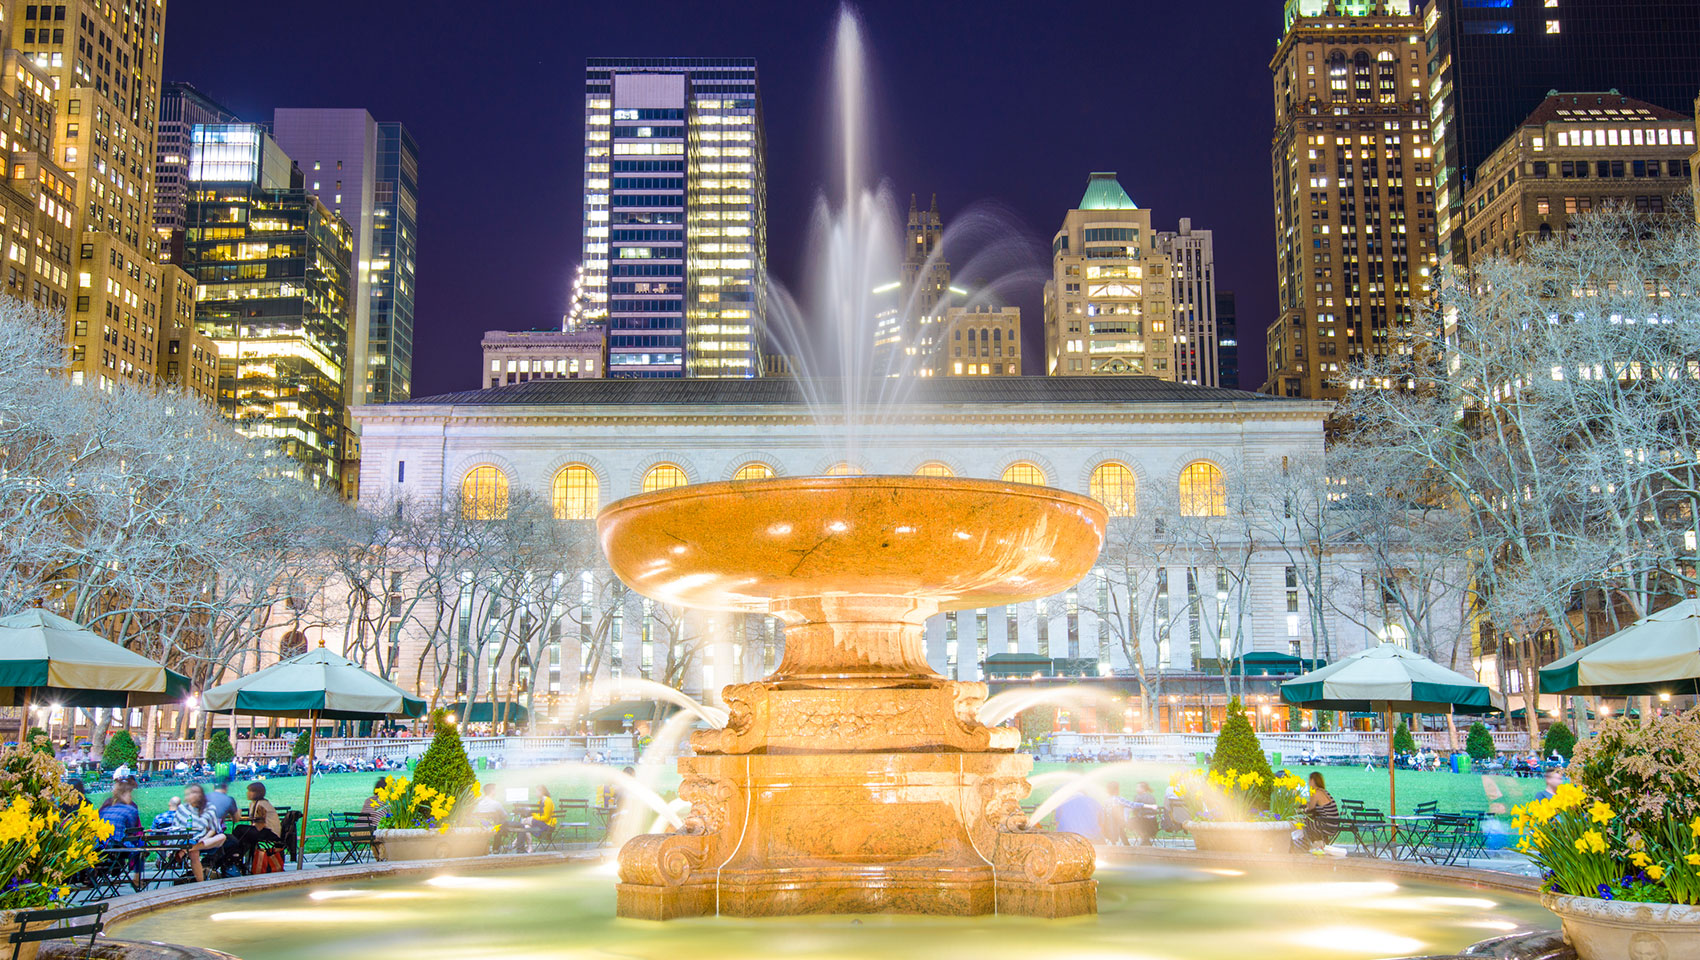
(740, 720)
(1037, 857)
(708, 797)
(664, 859)
(1002, 798)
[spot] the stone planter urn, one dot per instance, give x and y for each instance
(9, 926)
(1242, 836)
(1614, 930)
(458, 842)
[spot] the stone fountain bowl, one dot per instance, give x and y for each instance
(814, 548)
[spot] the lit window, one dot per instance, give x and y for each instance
(1024, 472)
(1203, 491)
(754, 470)
(484, 493)
(933, 468)
(844, 468)
(576, 492)
(1112, 485)
(1552, 26)
(663, 476)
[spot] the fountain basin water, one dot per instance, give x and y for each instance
(855, 779)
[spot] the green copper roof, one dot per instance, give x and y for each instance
(1104, 192)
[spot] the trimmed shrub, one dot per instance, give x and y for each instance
(444, 767)
(1558, 740)
(1403, 742)
(1479, 742)
(219, 748)
(1237, 749)
(300, 747)
(120, 749)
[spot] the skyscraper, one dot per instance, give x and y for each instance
(1492, 62)
(103, 63)
(1107, 303)
(37, 198)
(272, 262)
(181, 106)
(1192, 285)
(906, 328)
(1353, 177)
(368, 173)
(675, 215)
(1227, 342)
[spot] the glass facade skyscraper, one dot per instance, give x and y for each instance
(272, 266)
(1492, 62)
(675, 215)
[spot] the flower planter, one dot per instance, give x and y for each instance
(432, 844)
(26, 951)
(1242, 836)
(1615, 930)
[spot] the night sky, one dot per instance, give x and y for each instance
(1009, 103)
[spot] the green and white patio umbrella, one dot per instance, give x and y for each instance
(316, 685)
(1389, 679)
(47, 658)
(1659, 653)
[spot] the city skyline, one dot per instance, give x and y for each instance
(531, 189)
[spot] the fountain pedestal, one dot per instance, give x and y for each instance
(855, 779)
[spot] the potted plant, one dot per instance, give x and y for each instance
(1619, 848)
(1239, 805)
(41, 846)
(421, 813)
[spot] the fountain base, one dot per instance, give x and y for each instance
(785, 834)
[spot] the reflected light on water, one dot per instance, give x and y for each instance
(1503, 926)
(367, 894)
(1223, 872)
(1341, 890)
(318, 917)
(1356, 940)
(452, 882)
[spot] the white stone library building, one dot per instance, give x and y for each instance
(586, 443)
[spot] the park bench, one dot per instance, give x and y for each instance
(62, 923)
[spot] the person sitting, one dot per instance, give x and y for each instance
(200, 819)
(165, 818)
(1145, 813)
(119, 809)
(263, 824)
(542, 822)
(223, 803)
(1554, 778)
(1322, 817)
(373, 811)
(1112, 817)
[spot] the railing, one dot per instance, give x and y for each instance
(1347, 743)
(514, 751)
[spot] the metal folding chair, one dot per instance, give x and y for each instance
(63, 927)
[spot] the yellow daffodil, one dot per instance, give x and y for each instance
(1640, 859)
(1694, 826)
(1693, 859)
(477, 789)
(1591, 842)
(1655, 872)
(1601, 812)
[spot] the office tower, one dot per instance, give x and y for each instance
(367, 172)
(272, 262)
(675, 215)
(1192, 288)
(1353, 178)
(1227, 342)
(976, 341)
(181, 106)
(37, 199)
(905, 338)
(103, 63)
(518, 356)
(1577, 152)
(188, 358)
(1492, 62)
(1107, 302)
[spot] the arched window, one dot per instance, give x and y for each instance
(754, 470)
(664, 476)
(484, 493)
(1024, 472)
(576, 492)
(933, 468)
(1203, 491)
(844, 468)
(1112, 485)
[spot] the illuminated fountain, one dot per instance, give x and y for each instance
(855, 779)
